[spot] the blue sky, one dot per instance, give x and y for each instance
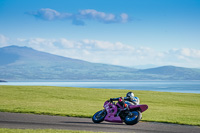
(119, 32)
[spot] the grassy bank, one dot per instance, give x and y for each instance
(5, 130)
(181, 108)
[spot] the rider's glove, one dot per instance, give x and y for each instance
(111, 99)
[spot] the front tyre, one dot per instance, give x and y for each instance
(99, 116)
(133, 117)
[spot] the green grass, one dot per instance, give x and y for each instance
(5, 130)
(180, 108)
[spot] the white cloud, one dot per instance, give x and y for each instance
(124, 17)
(50, 14)
(185, 52)
(190, 52)
(113, 53)
(103, 17)
(93, 50)
(100, 16)
(78, 18)
(105, 45)
(3, 41)
(66, 43)
(41, 44)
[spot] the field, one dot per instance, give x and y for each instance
(180, 108)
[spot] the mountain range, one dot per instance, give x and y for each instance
(26, 64)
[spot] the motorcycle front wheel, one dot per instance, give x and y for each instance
(99, 116)
(133, 117)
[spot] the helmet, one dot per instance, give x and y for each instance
(130, 94)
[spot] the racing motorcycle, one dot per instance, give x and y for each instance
(122, 111)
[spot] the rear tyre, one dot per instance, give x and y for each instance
(133, 117)
(99, 116)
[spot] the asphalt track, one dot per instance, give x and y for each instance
(31, 121)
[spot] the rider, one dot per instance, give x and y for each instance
(129, 99)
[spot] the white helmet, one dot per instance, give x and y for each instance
(130, 94)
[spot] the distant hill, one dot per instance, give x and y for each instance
(23, 63)
(174, 73)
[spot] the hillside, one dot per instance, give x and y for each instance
(23, 63)
(174, 73)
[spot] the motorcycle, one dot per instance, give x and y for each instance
(122, 111)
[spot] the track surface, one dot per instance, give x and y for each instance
(31, 121)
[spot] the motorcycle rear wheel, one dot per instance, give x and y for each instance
(133, 117)
(99, 116)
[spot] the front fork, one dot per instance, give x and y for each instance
(103, 111)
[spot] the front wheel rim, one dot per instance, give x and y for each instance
(99, 115)
(132, 116)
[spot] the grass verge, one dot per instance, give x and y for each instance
(179, 108)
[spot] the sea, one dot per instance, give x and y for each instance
(162, 86)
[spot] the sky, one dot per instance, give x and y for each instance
(133, 33)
